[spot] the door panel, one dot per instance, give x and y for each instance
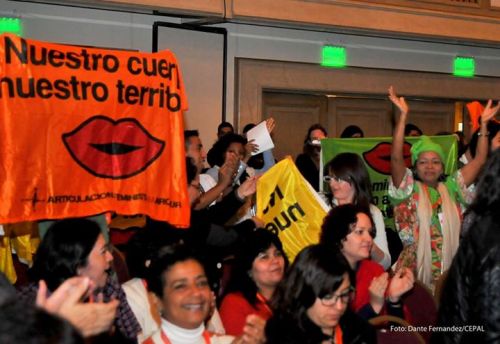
(294, 114)
(373, 116)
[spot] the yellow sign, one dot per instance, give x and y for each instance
(290, 207)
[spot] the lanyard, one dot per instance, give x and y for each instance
(165, 340)
(263, 301)
(338, 335)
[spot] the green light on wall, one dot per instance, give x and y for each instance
(464, 67)
(11, 25)
(332, 56)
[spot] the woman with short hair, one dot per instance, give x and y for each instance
(312, 302)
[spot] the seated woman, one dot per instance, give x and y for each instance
(311, 303)
(76, 247)
(349, 182)
(141, 249)
(182, 293)
(349, 228)
(427, 203)
(260, 266)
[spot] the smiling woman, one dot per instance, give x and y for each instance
(183, 296)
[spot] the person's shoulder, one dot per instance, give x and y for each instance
(371, 265)
(374, 210)
(234, 298)
(356, 329)
(283, 330)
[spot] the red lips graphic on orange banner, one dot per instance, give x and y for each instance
(110, 149)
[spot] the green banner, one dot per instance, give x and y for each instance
(376, 154)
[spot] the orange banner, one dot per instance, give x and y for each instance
(85, 131)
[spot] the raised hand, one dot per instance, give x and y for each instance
(489, 112)
(250, 147)
(377, 290)
(402, 281)
(248, 187)
(89, 318)
(228, 170)
(399, 102)
(270, 124)
(253, 331)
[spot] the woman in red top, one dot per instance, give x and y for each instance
(350, 228)
(260, 266)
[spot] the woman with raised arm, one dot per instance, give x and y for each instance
(427, 203)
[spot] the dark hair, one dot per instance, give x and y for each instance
(27, 324)
(145, 244)
(167, 257)
(191, 170)
(410, 127)
(224, 125)
(493, 128)
(220, 147)
(64, 249)
(338, 224)
(351, 130)
(350, 167)
(252, 244)
(313, 127)
(467, 294)
(247, 127)
(488, 186)
(188, 134)
(318, 270)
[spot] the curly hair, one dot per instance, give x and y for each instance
(338, 224)
(64, 249)
(218, 151)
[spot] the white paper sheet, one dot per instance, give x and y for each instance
(261, 137)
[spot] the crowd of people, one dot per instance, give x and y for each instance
(226, 279)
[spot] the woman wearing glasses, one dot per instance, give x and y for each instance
(349, 228)
(312, 302)
(349, 182)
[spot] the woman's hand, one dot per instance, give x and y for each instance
(399, 102)
(250, 147)
(402, 281)
(253, 331)
(270, 124)
(89, 318)
(489, 112)
(228, 170)
(377, 291)
(247, 188)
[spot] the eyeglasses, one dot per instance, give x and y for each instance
(332, 299)
(329, 179)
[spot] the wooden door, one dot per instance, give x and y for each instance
(294, 114)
